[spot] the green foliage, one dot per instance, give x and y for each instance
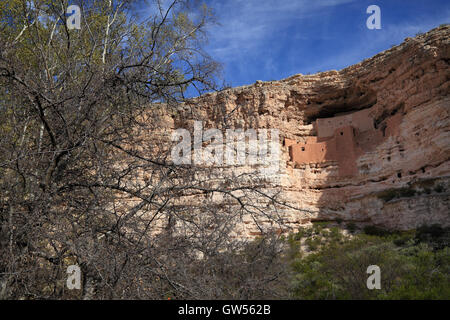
(411, 266)
(335, 234)
(434, 235)
(424, 275)
(313, 243)
(304, 232)
(404, 238)
(351, 227)
(321, 223)
(375, 231)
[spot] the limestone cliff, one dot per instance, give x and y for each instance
(368, 144)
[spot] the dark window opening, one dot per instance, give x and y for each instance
(330, 109)
(342, 133)
(399, 174)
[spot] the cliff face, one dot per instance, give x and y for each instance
(367, 144)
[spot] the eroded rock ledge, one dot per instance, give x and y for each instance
(367, 144)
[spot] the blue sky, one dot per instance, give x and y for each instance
(274, 39)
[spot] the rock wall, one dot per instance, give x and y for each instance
(368, 144)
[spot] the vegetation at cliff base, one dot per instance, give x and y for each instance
(413, 264)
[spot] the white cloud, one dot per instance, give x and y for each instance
(244, 24)
(371, 42)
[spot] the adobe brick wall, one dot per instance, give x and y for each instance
(341, 147)
(353, 135)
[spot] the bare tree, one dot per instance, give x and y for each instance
(86, 176)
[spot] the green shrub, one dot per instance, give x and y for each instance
(338, 270)
(313, 243)
(403, 239)
(317, 229)
(351, 227)
(307, 232)
(335, 234)
(434, 235)
(375, 231)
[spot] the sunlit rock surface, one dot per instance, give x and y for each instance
(369, 144)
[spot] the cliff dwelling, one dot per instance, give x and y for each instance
(343, 139)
